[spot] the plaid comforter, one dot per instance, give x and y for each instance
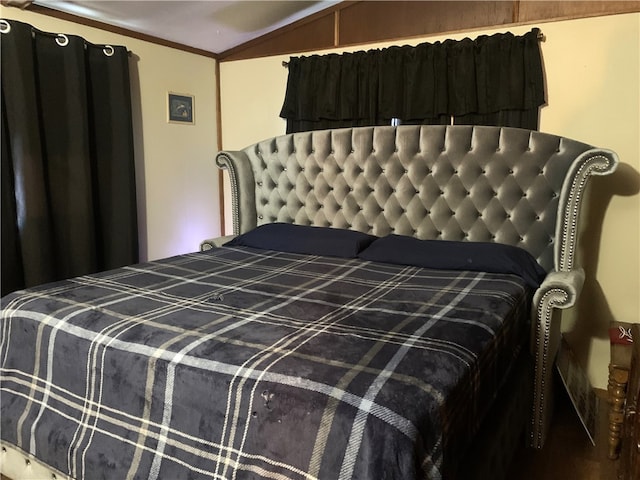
(239, 364)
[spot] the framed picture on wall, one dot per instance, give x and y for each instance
(180, 108)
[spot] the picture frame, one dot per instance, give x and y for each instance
(180, 108)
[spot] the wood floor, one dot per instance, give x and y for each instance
(568, 454)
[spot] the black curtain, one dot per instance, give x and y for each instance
(68, 180)
(492, 80)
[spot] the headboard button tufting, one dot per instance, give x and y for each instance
(447, 179)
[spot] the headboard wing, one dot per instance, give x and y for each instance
(475, 183)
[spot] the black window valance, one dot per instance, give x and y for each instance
(495, 80)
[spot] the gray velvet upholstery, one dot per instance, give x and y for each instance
(215, 242)
(473, 183)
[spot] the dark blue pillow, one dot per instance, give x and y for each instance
(449, 255)
(287, 237)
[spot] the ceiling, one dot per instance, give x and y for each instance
(211, 25)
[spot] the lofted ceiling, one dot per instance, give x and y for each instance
(214, 26)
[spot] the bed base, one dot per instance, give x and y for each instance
(15, 464)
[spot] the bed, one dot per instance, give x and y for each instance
(385, 308)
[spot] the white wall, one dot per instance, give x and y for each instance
(177, 179)
(592, 72)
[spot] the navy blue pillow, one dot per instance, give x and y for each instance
(450, 255)
(287, 237)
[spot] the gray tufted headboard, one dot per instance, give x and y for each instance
(473, 183)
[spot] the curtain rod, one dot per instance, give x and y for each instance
(540, 36)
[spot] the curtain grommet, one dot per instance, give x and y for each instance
(108, 50)
(5, 27)
(62, 40)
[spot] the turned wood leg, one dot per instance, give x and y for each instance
(617, 392)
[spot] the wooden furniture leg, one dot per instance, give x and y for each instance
(621, 341)
(617, 388)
